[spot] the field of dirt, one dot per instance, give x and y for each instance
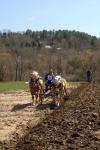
(75, 126)
(17, 114)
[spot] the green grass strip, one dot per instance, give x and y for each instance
(13, 85)
(21, 85)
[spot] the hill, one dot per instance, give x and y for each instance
(70, 53)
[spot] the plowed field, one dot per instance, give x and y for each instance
(75, 126)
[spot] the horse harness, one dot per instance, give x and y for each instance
(35, 85)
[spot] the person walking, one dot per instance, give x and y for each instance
(89, 76)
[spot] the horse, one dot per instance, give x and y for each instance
(59, 89)
(36, 88)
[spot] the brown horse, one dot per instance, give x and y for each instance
(36, 88)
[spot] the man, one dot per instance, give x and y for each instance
(49, 77)
(89, 78)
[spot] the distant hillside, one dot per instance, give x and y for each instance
(68, 52)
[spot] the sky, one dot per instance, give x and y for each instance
(37, 15)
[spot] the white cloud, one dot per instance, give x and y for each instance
(30, 18)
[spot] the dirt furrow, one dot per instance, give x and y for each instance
(75, 126)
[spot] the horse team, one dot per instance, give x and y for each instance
(58, 89)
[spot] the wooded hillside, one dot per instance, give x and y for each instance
(70, 53)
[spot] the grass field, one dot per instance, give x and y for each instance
(13, 85)
(75, 83)
(4, 86)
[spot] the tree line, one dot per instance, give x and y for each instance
(69, 53)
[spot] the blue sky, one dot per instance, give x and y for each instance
(79, 15)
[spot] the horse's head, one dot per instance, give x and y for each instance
(57, 80)
(34, 75)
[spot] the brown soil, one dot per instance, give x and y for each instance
(75, 126)
(17, 114)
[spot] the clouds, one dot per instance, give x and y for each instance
(30, 18)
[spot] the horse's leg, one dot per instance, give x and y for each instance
(54, 99)
(61, 97)
(33, 99)
(40, 99)
(41, 96)
(36, 98)
(32, 95)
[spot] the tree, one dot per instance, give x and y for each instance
(5, 67)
